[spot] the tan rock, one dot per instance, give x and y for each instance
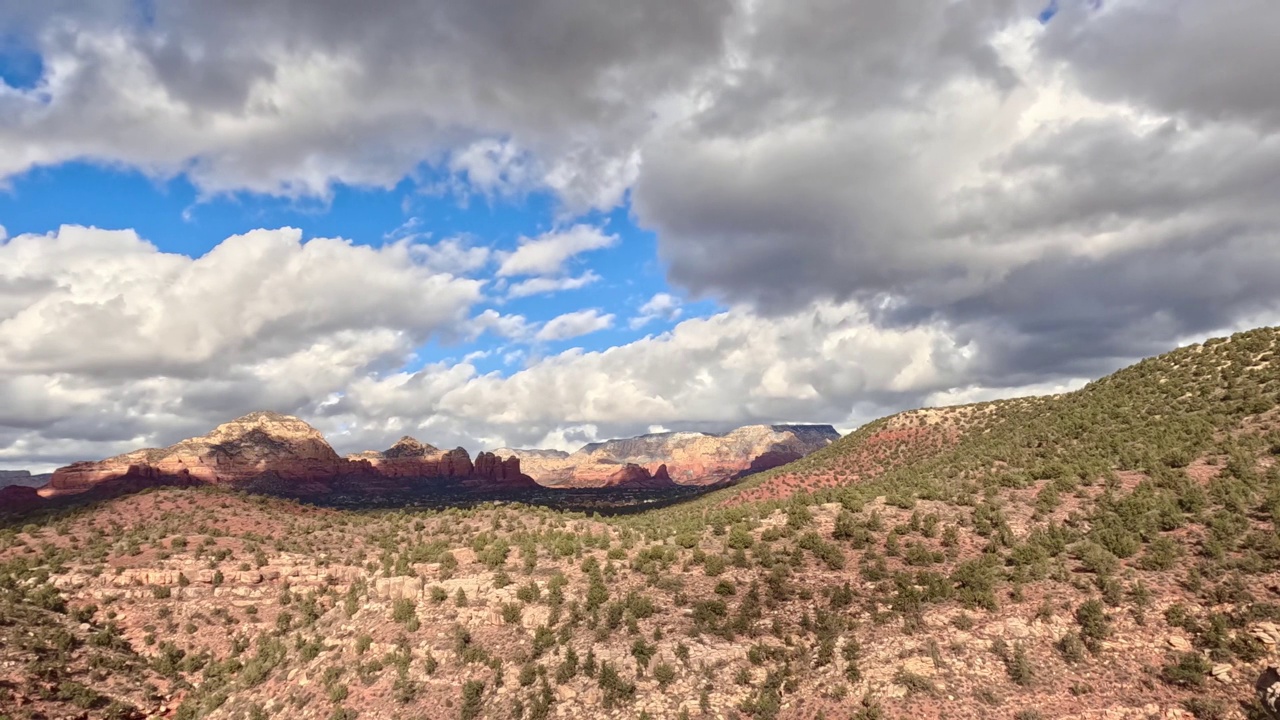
(398, 588)
(920, 666)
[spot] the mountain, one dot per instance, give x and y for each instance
(409, 458)
(22, 477)
(690, 458)
(280, 454)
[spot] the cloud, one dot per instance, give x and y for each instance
(107, 344)
(714, 373)
(512, 327)
(662, 306)
(897, 201)
(574, 324)
(543, 285)
(107, 302)
(547, 253)
(454, 256)
(1051, 193)
(290, 97)
(493, 167)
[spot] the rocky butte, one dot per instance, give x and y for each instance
(683, 458)
(280, 454)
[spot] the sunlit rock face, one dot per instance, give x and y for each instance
(688, 458)
(265, 450)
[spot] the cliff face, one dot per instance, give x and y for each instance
(690, 458)
(278, 453)
(409, 458)
(234, 453)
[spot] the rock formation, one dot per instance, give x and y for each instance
(234, 453)
(280, 454)
(690, 458)
(409, 458)
(18, 498)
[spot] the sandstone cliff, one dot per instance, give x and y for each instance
(275, 453)
(409, 458)
(689, 458)
(234, 453)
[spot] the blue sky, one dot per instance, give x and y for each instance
(177, 217)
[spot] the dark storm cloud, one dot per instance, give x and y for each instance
(1122, 200)
(1205, 61)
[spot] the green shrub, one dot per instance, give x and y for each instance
(472, 699)
(1188, 669)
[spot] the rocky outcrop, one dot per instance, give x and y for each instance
(409, 458)
(18, 498)
(235, 453)
(690, 458)
(638, 477)
(279, 454)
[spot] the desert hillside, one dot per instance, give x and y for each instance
(1108, 553)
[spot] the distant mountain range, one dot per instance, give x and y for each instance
(690, 458)
(282, 455)
(23, 478)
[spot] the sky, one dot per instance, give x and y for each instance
(541, 223)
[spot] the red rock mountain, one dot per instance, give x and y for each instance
(409, 458)
(18, 498)
(686, 458)
(277, 453)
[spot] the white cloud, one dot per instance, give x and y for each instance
(544, 285)
(547, 253)
(513, 327)
(575, 324)
(664, 306)
(89, 300)
(455, 256)
(493, 167)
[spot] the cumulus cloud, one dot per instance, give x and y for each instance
(544, 285)
(455, 256)
(575, 324)
(710, 373)
(662, 306)
(547, 253)
(290, 97)
(89, 300)
(512, 327)
(1042, 190)
(105, 340)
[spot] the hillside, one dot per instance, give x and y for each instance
(1160, 413)
(1108, 553)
